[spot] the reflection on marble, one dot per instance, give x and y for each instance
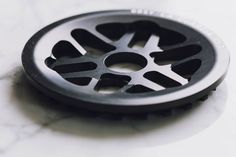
(34, 125)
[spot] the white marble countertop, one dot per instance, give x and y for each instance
(30, 126)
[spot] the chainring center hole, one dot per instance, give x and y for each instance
(125, 62)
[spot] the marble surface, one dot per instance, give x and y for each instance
(31, 125)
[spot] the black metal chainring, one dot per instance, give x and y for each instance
(71, 61)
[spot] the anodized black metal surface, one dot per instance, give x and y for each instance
(70, 61)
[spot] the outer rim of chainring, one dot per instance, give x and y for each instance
(190, 94)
